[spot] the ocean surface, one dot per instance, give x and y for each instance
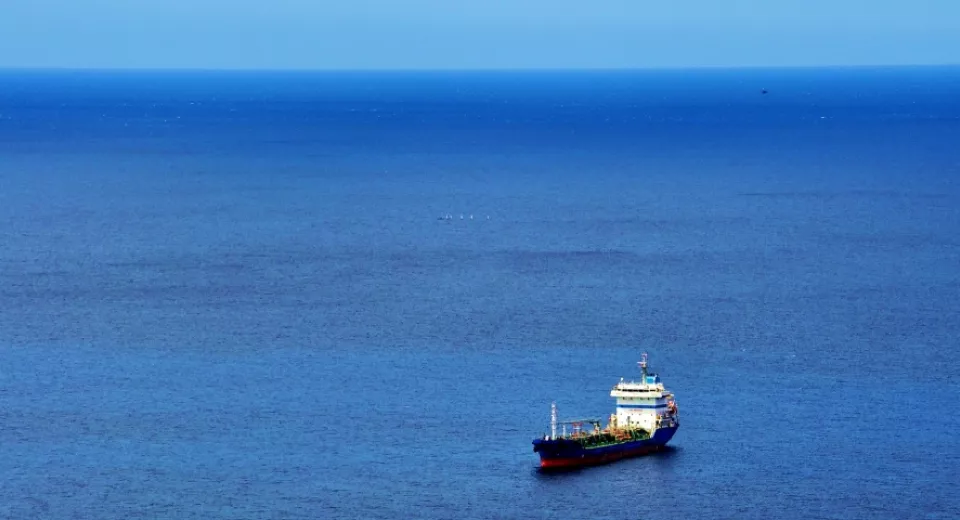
(238, 295)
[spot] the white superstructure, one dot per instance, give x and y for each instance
(643, 404)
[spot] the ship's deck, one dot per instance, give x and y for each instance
(606, 437)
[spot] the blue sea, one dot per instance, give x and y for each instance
(257, 295)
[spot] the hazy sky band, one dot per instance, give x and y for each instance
(491, 34)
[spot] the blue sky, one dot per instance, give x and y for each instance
(462, 34)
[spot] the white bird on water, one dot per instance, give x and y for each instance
(470, 216)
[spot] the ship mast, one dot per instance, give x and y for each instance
(553, 420)
(643, 367)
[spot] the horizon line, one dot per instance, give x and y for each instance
(679, 68)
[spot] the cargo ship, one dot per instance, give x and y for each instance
(646, 419)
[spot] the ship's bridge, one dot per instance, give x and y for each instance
(650, 386)
(642, 403)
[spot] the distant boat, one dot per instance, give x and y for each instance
(645, 421)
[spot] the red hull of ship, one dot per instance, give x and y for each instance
(575, 462)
